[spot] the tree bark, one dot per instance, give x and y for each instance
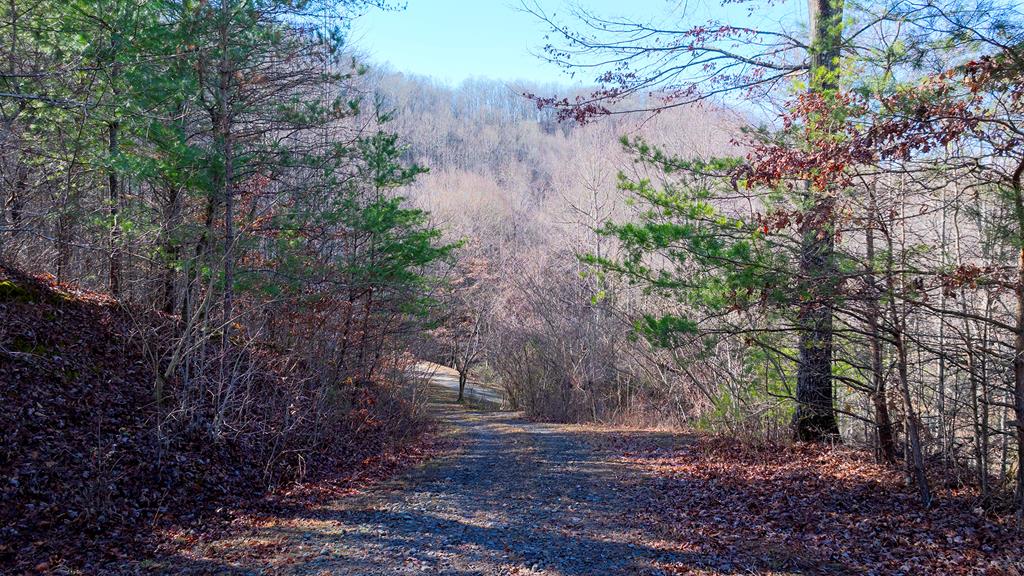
(225, 140)
(913, 424)
(1018, 342)
(114, 199)
(113, 179)
(172, 250)
(883, 422)
(1018, 378)
(898, 326)
(815, 418)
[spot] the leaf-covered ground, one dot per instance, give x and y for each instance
(86, 476)
(522, 498)
(804, 510)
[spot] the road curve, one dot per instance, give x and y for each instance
(518, 498)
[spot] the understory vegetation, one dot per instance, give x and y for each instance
(96, 471)
(217, 172)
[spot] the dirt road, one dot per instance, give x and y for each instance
(517, 498)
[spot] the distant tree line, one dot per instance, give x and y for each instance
(527, 194)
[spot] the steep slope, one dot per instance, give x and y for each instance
(92, 470)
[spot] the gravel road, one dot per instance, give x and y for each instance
(517, 498)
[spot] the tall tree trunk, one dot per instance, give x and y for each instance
(1018, 342)
(941, 385)
(913, 422)
(172, 250)
(113, 182)
(898, 326)
(114, 199)
(63, 239)
(815, 418)
(978, 414)
(224, 136)
(1018, 379)
(883, 422)
(14, 205)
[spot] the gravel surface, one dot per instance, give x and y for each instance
(476, 394)
(516, 498)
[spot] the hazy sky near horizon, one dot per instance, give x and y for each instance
(453, 40)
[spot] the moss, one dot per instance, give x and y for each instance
(27, 346)
(11, 292)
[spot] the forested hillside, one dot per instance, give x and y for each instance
(527, 194)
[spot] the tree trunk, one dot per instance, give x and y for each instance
(224, 136)
(1018, 342)
(883, 423)
(898, 326)
(815, 418)
(13, 204)
(941, 385)
(113, 181)
(172, 250)
(462, 386)
(913, 427)
(224, 140)
(1018, 389)
(114, 199)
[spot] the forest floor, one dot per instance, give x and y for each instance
(518, 497)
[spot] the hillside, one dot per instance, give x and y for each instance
(95, 470)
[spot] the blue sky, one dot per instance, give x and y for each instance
(452, 40)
